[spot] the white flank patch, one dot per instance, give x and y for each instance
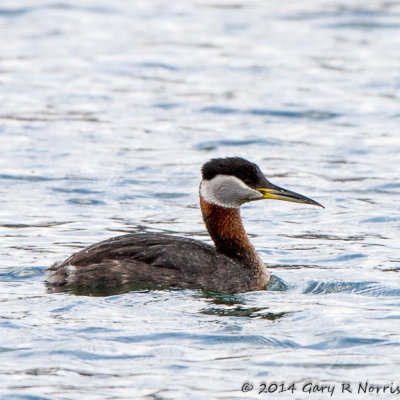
(70, 270)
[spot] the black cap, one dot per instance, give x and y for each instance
(245, 170)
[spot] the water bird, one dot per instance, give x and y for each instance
(232, 266)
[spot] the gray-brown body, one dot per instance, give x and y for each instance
(153, 258)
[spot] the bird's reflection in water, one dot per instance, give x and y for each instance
(234, 305)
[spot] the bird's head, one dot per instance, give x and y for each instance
(232, 181)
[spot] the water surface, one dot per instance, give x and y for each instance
(108, 111)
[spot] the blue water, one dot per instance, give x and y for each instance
(108, 111)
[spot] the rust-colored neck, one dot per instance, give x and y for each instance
(226, 230)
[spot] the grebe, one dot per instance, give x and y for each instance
(153, 258)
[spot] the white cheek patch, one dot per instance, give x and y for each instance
(227, 191)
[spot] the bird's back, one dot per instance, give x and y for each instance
(151, 258)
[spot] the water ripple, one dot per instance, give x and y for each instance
(308, 114)
(341, 343)
(22, 273)
(86, 202)
(207, 339)
(364, 288)
(215, 144)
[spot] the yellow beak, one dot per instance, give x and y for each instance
(278, 193)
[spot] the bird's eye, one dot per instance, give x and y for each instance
(247, 181)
